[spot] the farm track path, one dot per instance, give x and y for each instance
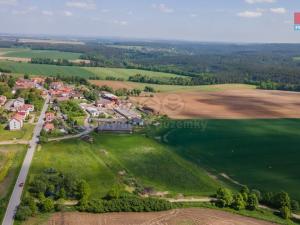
(15, 142)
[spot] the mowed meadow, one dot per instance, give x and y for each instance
(262, 154)
(148, 162)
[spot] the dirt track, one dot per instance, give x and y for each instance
(174, 217)
(226, 104)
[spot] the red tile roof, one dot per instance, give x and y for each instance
(49, 126)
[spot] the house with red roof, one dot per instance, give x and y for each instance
(49, 116)
(38, 80)
(17, 121)
(26, 108)
(24, 84)
(48, 127)
(56, 85)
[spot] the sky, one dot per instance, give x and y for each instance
(193, 20)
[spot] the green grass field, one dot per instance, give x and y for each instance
(28, 53)
(126, 73)
(296, 58)
(151, 163)
(24, 134)
(75, 156)
(87, 72)
(7, 183)
(263, 154)
(43, 54)
(155, 164)
(45, 70)
(4, 51)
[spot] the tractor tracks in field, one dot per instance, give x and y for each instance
(161, 220)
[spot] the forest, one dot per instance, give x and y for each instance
(270, 66)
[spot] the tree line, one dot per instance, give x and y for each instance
(48, 191)
(250, 200)
(203, 63)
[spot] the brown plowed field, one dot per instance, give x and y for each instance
(227, 104)
(174, 217)
(116, 84)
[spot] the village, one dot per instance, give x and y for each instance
(69, 111)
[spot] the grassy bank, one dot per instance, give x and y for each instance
(100, 163)
(7, 184)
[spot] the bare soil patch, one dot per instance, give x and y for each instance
(227, 104)
(173, 217)
(116, 84)
(15, 59)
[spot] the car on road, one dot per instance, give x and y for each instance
(21, 184)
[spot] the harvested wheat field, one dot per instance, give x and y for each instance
(174, 217)
(225, 104)
(116, 84)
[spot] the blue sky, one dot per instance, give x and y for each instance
(196, 20)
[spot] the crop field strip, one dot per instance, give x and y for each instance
(28, 53)
(263, 154)
(85, 72)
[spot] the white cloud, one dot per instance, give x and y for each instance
(163, 8)
(121, 22)
(193, 15)
(105, 10)
(250, 14)
(260, 1)
(278, 10)
(81, 4)
(47, 13)
(68, 13)
(261, 10)
(8, 2)
(25, 11)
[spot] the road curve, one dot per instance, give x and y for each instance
(17, 192)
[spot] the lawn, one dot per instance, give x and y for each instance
(24, 134)
(151, 163)
(28, 53)
(262, 154)
(45, 70)
(11, 158)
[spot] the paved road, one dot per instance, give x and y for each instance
(17, 192)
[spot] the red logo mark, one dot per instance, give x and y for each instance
(297, 18)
